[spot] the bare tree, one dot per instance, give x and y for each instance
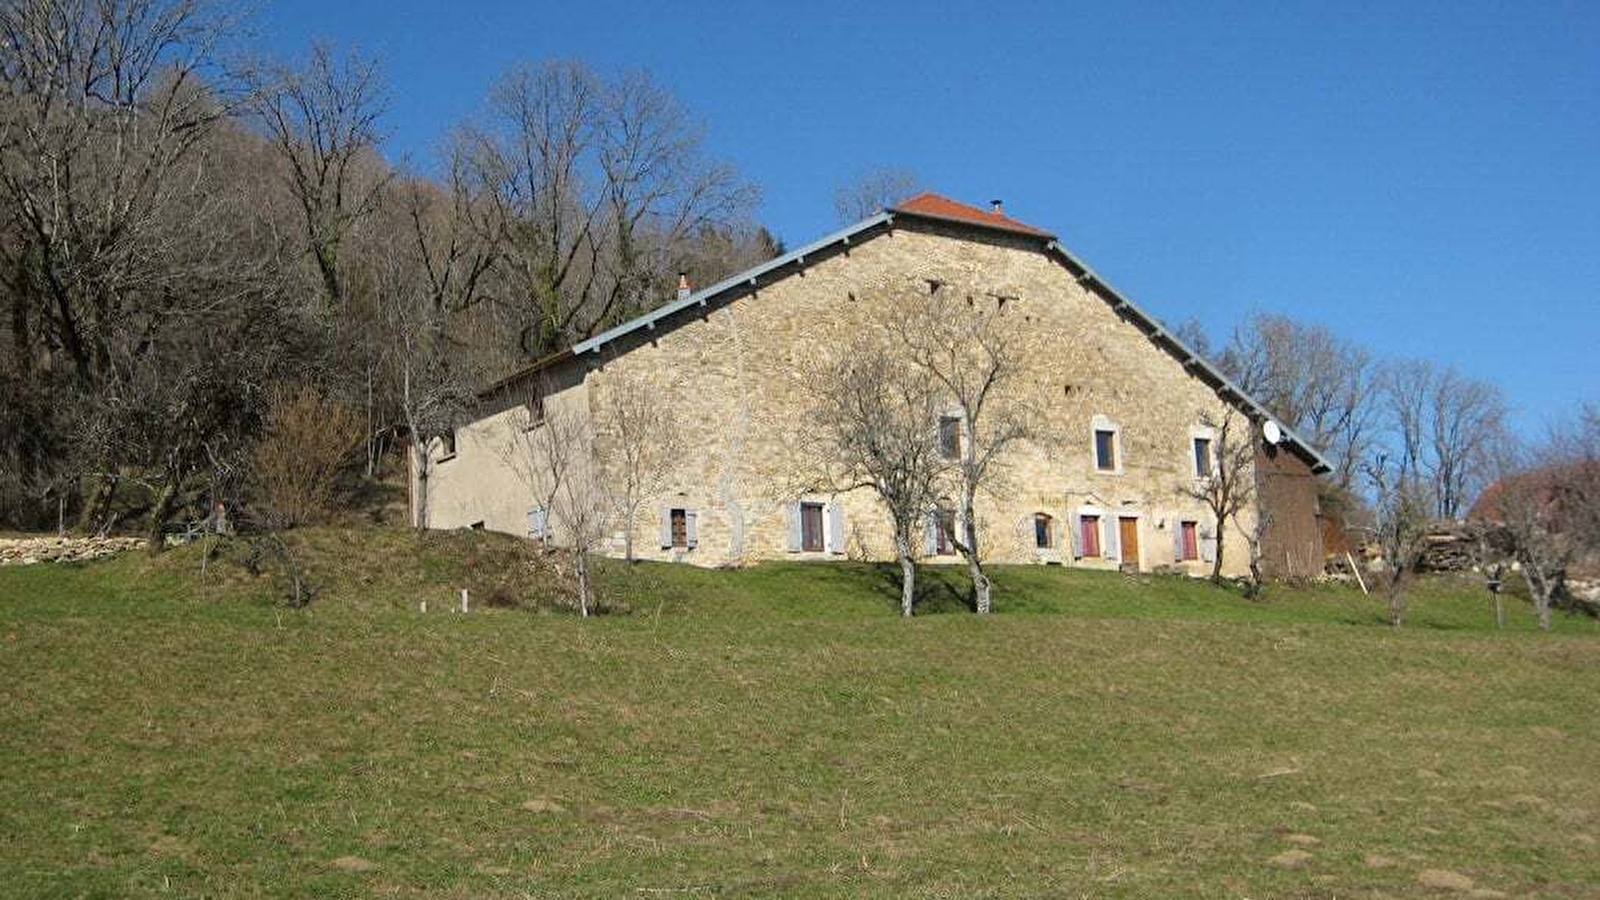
(1229, 489)
(1400, 525)
(1446, 427)
(962, 344)
(1545, 509)
(638, 437)
(105, 107)
(1465, 421)
(322, 120)
(552, 451)
(598, 185)
(878, 415)
(872, 191)
(434, 390)
(1318, 383)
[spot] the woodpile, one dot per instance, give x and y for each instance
(1450, 547)
(28, 551)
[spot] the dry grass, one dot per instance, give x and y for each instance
(777, 732)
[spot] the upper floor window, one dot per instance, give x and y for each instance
(950, 437)
(1105, 449)
(1202, 457)
(1107, 445)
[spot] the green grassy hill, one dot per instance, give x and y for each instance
(775, 731)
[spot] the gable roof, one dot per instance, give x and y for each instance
(942, 209)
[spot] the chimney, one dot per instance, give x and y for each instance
(996, 207)
(683, 285)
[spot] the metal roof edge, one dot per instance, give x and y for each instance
(1159, 331)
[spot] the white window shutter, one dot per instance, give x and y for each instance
(666, 528)
(1208, 546)
(536, 523)
(1077, 536)
(835, 527)
(1177, 540)
(931, 535)
(691, 528)
(1112, 530)
(794, 527)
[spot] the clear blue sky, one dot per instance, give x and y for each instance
(1424, 178)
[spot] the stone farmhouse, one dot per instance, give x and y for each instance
(1129, 400)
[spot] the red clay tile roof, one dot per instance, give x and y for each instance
(935, 206)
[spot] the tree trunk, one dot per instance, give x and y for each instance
(419, 452)
(908, 574)
(1216, 555)
(94, 506)
(982, 589)
(1397, 601)
(1538, 588)
(159, 515)
(580, 566)
(627, 535)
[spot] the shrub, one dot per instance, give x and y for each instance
(294, 468)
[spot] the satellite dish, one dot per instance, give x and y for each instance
(1272, 432)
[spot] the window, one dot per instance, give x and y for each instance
(811, 529)
(1188, 541)
(1043, 531)
(1089, 535)
(950, 437)
(447, 445)
(944, 532)
(1202, 457)
(1105, 449)
(476, 526)
(680, 529)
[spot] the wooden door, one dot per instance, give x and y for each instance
(1128, 532)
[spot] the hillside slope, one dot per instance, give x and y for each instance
(775, 732)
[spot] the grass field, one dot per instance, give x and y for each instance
(779, 732)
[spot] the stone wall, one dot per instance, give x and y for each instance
(733, 373)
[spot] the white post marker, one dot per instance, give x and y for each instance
(424, 606)
(463, 600)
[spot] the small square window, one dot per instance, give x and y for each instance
(1202, 457)
(1105, 449)
(447, 444)
(950, 437)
